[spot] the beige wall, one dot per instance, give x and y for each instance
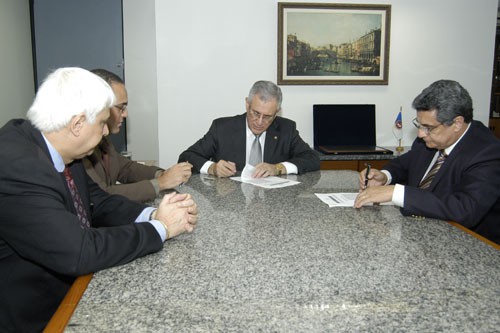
(210, 52)
(187, 63)
(139, 46)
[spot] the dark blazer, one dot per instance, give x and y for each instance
(42, 245)
(226, 140)
(465, 190)
(134, 178)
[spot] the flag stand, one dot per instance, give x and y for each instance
(400, 148)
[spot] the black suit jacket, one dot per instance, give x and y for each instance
(465, 190)
(226, 140)
(42, 245)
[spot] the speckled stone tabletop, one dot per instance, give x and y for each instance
(281, 260)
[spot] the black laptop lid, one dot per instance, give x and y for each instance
(344, 125)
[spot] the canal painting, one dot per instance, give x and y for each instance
(333, 44)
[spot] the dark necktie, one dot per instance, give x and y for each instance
(77, 200)
(255, 152)
(426, 182)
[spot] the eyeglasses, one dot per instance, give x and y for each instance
(121, 107)
(426, 129)
(257, 115)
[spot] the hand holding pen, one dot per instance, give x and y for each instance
(373, 176)
(379, 190)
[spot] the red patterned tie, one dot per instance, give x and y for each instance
(77, 200)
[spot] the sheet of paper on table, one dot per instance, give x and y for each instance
(268, 182)
(341, 199)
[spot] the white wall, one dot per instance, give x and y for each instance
(190, 62)
(16, 64)
(210, 52)
(139, 46)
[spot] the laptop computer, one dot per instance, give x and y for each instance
(345, 129)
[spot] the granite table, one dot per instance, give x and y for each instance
(280, 260)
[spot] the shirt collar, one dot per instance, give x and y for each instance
(251, 136)
(57, 159)
(448, 150)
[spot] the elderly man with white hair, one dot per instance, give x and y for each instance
(55, 222)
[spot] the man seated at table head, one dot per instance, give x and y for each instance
(117, 174)
(258, 137)
(55, 222)
(452, 171)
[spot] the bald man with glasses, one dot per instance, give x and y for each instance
(452, 171)
(116, 174)
(258, 137)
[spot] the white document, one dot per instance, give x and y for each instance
(268, 182)
(341, 199)
(338, 199)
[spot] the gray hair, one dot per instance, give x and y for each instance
(266, 90)
(65, 93)
(448, 98)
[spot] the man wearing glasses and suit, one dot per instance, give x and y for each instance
(258, 137)
(117, 174)
(452, 171)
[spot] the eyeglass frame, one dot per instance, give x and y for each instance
(265, 117)
(121, 107)
(426, 129)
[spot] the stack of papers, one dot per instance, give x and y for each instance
(268, 182)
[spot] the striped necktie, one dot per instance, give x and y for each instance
(426, 182)
(77, 200)
(255, 152)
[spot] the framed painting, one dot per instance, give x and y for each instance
(330, 44)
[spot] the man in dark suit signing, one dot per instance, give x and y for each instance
(452, 171)
(55, 222)
(259, 137)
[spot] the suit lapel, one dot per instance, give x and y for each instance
(272, 139)
(444, 171)
(78, 176)
(424, 158)
(239, 139)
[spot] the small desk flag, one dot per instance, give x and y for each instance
(397, 129)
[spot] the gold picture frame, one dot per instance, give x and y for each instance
(333, 44)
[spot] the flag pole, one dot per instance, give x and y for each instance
(400, 148)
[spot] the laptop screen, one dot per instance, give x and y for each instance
(344, 125)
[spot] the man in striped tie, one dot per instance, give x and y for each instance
(452, 171)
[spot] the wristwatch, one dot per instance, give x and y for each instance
(280, 169)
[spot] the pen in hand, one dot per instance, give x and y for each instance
(368, 167)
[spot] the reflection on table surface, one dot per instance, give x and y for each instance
(280, 260)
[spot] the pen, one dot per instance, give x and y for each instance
(368, 167)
